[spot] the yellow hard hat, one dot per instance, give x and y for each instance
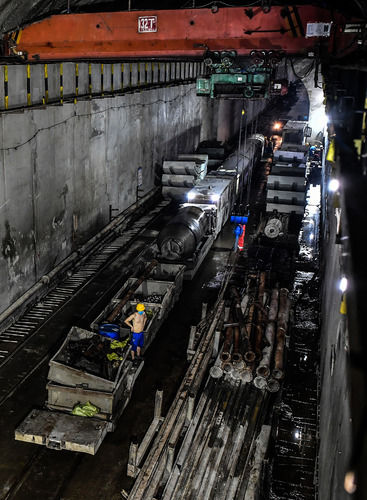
(140, 307)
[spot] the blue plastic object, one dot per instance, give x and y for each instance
(110, 330)
(239, 219)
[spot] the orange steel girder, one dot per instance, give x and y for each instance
(180, 33)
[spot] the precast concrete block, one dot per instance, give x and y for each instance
(69, 79)
(96, 78)
(17, 85)
(125, 75)
(107, 72)
(117, 76)
(37, 83)
(83, 82)
(134, 74)
(53, 71)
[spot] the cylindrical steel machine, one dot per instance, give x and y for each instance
(179, 239)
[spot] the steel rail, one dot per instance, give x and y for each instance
(66, 299)
(38, 315)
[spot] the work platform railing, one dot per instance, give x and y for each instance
(38, 85)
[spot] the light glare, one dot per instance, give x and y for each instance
(318, 119)
(334, 185)
(343, 285)
(190, 195)
(350, 482)
(214, 198)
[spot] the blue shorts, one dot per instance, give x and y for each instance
(137, 340)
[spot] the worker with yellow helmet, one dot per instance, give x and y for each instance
(136, 322)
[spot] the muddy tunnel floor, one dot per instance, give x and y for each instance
(31, 471)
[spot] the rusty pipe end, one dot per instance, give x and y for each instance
(225, 357)
(250, 357)
(236, 357)
(227, 367)
(278, 374)
(263, 371)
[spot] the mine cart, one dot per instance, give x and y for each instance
(91, 377)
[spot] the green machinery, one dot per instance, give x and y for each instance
(251, 79)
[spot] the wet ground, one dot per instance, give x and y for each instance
(31, 471)
(292, 473)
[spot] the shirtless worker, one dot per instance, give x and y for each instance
(136, 323)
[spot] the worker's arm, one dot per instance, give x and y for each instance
(145, 319)
(127, 321)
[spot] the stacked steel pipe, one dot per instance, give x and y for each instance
(282, 325)
(211, 446)
(254, 335)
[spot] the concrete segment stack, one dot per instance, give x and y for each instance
(180, 175)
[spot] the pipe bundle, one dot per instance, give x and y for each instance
(254, 335)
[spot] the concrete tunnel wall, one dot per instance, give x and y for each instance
(61, 167)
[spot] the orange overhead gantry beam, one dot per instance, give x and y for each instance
(180, 33)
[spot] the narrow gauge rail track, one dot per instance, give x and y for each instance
(64, 466)
(49, 474)
(14, 337)
(18, 340)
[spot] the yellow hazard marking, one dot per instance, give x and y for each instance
(358, 146)
(29, 99)
(343, 305)
(331, 151)
(18, 37)
(6, 96)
